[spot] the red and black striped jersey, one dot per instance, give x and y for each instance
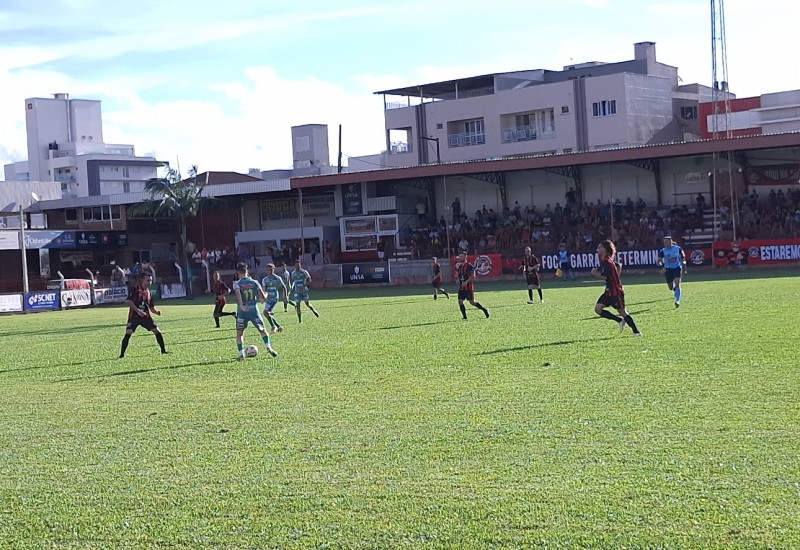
(465, 271)
(608, 269)
(530, 263)
(142, 300)
(221, 289)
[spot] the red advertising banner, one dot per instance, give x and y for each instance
(757, 252)
(486, 265)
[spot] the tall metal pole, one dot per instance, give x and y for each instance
(302, 224)
(25, 287)
(446, 225)
(339, 163)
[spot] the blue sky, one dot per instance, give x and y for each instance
(219, 84)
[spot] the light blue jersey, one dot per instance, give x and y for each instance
(672, 256)
(249, 290)
(272, 285)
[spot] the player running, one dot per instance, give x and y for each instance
(614, 295)
(530, 267)
(140, 304)
(275, 289)
(300, 280)
(248, 294)
(287, 280)
(673, 262)
(437, 280)
(466, 287)
(220, 291)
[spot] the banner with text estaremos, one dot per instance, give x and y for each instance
(757, 252)
(486, 265)
(584, 261)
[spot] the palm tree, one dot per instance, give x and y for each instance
(172, 197)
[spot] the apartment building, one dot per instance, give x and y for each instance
(765, 114)
(65, 145)
(590, 106)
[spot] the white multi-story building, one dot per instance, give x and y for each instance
(65, 144)
(583, 107)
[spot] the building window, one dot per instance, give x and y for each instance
(71, 215)
(101, 213)
(565, 109)
(689, 113)
(568, 150)
(466, 132)
(126, 172)
(141, 256)
(604, 108)
(126, 187)
(439, 125)
(528, 126)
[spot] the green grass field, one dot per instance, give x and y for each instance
(390, 423)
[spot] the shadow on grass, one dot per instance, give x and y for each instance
(543, 345)
(143, 371)
(594, 317)
(86, 328)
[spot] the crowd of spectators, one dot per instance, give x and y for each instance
(774, 216)
(580, 225)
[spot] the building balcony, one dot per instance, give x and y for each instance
(466, 139)
(399, 147)
(526, 133)
(65, 178)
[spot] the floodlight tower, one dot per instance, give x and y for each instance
(721, 108)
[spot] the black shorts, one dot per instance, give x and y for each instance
(617, 302)
(146, 323)
(468, 295)
(436, 283)
(532, 279)
(673, 273)
(565, 266)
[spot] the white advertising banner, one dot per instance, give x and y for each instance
(110, 295)
(10, 303)
(173, 291)
(76, 298)
(9, 240)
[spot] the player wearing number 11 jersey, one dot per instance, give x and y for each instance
(248, 295)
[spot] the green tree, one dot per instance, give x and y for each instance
(172, 197)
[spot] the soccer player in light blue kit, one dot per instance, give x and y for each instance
(248, 294)
(275, 289)
(300, 280)
(673, 262)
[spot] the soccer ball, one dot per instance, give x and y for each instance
(251, 351)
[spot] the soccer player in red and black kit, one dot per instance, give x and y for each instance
(614, 295)
(220, 291)
(140, 304)
(437, 280)
(466, 287)
(530, 266)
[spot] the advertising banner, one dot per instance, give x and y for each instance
(49, 239)
(757, 252)
(774, 175)
(486, 265)
(365, 273)
(99, 239)
(42, 301)
(76, 298)
(110, 295)
(68, 284)
(9, 240)
(10, 303)
(176, 290)
(352, 201)
(585, 261)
